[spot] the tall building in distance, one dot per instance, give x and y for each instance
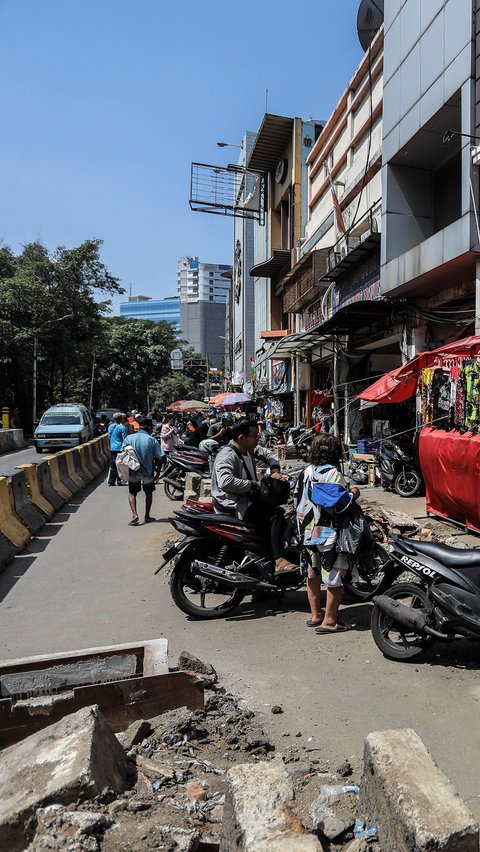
(203, 292)
(155, 310)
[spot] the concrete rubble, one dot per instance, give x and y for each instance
(186, 781)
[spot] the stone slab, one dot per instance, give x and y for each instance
(74, 759)
(257, 813)
(412, 802)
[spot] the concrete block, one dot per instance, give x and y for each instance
(73, 759)
(34, 492)
(7, 551)
(24, 508)
(205, 489)
(58, 483)
(257, 814)
(11, 527)
(410, 799)
(46, 487)
(193, 482)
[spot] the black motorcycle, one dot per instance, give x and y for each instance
(440, 602)
(398, 469)
(178, 464)
(221, 559)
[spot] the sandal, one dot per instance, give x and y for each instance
(311, 623)
(340, 627)
(133, 522)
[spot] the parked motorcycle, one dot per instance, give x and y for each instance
(220, 559)
(440, 603)
(179, 463)
(398, 469)
(301, 439)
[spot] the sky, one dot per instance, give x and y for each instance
(105, 104)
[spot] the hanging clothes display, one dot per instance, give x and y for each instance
(441, 399)
(426, 381)
(470, 375)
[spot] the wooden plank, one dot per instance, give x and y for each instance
(121, 702)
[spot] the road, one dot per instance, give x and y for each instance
(9, 461)
(88, 580)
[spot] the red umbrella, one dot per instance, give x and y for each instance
(187, 405)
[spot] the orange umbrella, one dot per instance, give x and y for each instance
(218, 399)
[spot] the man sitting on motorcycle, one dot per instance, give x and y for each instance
(235, 487)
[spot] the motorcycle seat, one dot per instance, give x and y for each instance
(212, 518)
(453, 557)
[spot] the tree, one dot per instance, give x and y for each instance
(174, 387)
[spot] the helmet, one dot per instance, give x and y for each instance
(274, 492)
(227, 418)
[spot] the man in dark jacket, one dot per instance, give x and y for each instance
(235, 486)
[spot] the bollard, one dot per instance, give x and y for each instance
(5, 417)
(57, 483)
(36, 496)
(10, 525)
(24, 509)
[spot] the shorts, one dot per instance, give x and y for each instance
(136, 480)
(331, 566)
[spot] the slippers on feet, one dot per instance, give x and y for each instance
(340, 627)
(133, 523)
(148, 519)
(311, 623)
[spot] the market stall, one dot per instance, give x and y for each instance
(447, 381)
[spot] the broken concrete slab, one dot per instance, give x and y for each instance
(410, 799)
(135, 733)
(58, 828)
(74, 759)
(258, 815)
(172, 723)
(188, 662)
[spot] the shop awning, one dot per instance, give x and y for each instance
(392, 387)
(274, 266)
(401, 384)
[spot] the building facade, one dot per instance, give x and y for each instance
(155, 310)
(203, 290)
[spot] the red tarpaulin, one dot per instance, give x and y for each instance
(401, 384)
(450, 464)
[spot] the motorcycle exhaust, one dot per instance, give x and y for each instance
(412, 619)
(175, 483)
(228, 577)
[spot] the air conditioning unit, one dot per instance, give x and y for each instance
(333, 260)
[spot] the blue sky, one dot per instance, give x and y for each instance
(105, 103)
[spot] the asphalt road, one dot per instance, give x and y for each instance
(88, 580)
(9, 461)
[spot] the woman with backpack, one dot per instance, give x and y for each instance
(316, 524)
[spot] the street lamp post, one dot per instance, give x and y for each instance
(35, 349)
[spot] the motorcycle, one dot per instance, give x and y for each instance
(179, 463)
(301, 439)
(398, 470)
(220, 559)
(440, 603)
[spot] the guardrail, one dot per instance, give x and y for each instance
(31, 496)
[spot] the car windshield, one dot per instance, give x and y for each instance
(60, 419)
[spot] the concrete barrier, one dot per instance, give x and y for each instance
(105, 445)
(92, 463)
(11, 527)
(413, 803)
(17, 439)
(85, 462)
(24, 509)
(65, 477)
(77, 461)
(6, 441)
(57, 483)
(46, 487)
(72, 473)
(36, 497)
(95, 453)
(7, 551)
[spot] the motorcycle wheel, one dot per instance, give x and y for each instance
(394, 641)
(172, 492)
(200, 597)
(408, 483)
(365, 577)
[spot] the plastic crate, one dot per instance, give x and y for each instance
(368, 446)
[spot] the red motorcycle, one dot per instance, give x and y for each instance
(221, 559)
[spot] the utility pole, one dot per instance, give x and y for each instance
(35, 346)
(91, 385)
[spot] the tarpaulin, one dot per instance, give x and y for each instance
(390, 388)
(450, 464)
(401, 384)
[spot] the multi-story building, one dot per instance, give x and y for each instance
(155, 310)
(430, 230)
(203, 292)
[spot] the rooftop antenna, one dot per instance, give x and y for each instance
(266, 100)
(369, 21)
(130, 290)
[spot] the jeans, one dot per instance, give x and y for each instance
(113, 476)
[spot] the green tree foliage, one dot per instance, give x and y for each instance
(129, 359)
